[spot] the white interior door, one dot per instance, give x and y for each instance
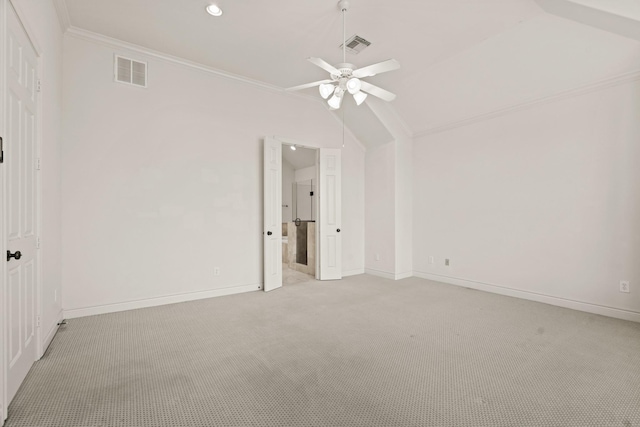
(330, 202)
(272, 214)
(20, 204)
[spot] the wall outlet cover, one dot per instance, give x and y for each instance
(624, 286)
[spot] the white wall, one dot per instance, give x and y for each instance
(162, 184)
(542, 203)
(42, 23)
(305, 174)
(380, 210)
(404, 207)
(306, 205)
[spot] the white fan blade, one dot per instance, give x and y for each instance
(289, 89)
(324, 65)
(377, 91)
(380, 67)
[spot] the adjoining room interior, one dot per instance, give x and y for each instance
(485, 229)
(299, 213)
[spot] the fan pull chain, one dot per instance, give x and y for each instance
(343, 128)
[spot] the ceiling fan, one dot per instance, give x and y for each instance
(345, 77)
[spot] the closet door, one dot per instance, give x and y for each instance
(20, 146)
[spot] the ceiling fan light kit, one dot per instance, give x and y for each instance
(345, 77)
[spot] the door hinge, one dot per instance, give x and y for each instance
(38, 86)
(38, 321)
(1, 151)
(38, 242)
(38, 163)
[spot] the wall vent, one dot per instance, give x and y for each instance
(356, 44)
(130, 72)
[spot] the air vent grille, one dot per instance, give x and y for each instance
(356, 44)
(131, 72)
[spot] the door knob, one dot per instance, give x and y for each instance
(338, 230)
(16, 255)
(269, 233)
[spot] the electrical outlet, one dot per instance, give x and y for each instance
(432, 260)
(377, 257)
(446, 262)
(216, 271)
(624, 286)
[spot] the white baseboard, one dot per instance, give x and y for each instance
(154, 302)
(353, 272)
(380, 273)
(52, 333)
(532, 296)
(388, 275)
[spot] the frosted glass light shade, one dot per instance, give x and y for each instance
(326, 89)
(353, 85)
(335, 101)
(359, 97)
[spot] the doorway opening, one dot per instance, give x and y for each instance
(299, 214)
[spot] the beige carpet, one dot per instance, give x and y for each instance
(363, 351)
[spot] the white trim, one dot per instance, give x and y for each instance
(63, 14)
(406, 275)
(353, 272)
(157, 301)
(387, 275)
(112, 43)
(119, 44)
(52, 333)
(39, 214)
(581, 90)
(533, 296)
(3, 215)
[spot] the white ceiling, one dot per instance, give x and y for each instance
(459, 58)
(300, 158)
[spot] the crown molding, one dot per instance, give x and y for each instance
(581, 90)
(113, 43)
(63, 14)
(86, 35)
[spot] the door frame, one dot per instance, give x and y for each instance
(289, 142)
(4, 11)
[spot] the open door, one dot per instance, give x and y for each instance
(330, 218)
(272, 214)
(19, 292)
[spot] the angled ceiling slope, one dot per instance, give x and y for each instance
(459, 59)
(620, 17)
(244, 42)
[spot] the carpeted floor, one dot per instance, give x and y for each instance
(363, 351)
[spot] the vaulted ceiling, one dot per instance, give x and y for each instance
(460, 58)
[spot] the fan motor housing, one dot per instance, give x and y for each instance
(345, 69)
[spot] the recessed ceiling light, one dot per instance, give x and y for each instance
(214, 10)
